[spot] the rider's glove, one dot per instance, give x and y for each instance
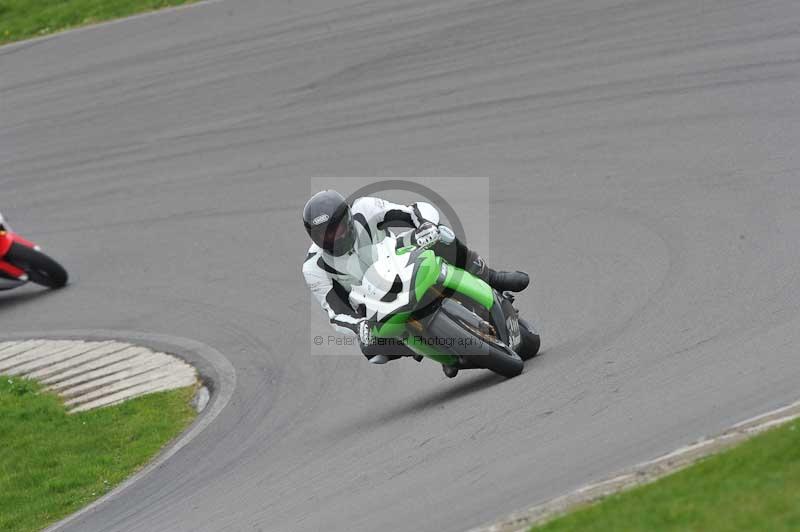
(364, 332)
(426, 235)
(446, 235)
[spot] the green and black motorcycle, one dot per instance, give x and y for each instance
(443, 312)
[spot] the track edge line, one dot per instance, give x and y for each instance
(643, 472)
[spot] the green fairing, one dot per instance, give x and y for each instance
(427, 273)
(394, 327)
(465, 283)
(420, 347)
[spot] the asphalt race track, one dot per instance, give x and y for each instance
(644, 167)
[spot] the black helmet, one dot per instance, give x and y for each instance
(329, 223)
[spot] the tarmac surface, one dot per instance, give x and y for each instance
(643, 167)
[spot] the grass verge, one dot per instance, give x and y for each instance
(52, 464)
(23, 19)
(754, 486)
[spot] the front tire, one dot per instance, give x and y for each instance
(531, 342)
(40, 268)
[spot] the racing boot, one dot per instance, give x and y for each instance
(500, 281)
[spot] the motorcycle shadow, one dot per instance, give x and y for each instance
(10, 299)
(418, 406)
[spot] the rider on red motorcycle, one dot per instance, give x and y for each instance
(22, 261)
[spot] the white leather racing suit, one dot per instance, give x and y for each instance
(330, 278)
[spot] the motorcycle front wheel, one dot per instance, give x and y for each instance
(40, 268)
(529, 347)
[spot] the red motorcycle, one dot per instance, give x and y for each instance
(22, 261)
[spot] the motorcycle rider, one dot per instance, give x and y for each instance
(343, 239)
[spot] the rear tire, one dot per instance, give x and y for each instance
(40, 268)
(531, 342)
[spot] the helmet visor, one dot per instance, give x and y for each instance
(336, 236)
